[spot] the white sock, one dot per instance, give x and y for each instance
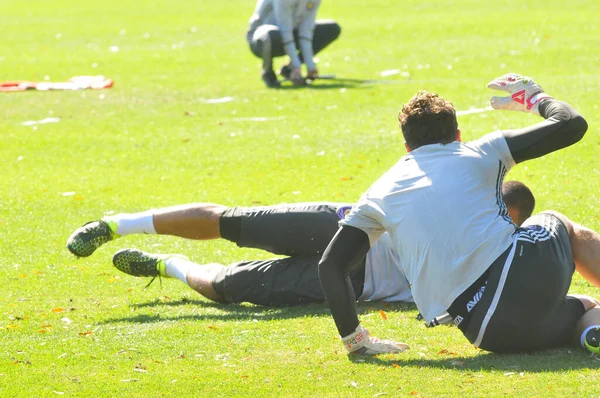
(133, 223)
(177, 267)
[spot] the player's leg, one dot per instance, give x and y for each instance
(288, 229)
(279, 282)
(587, 331)
(199, 277)
(326, 31)
(198, 221)
(193, 221)
(266, 43)
(585, 245)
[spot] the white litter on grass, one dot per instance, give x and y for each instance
(68, 193)
(474, 110)
(113, 49)
(216, 100)
(43, 121)
(257, 119)
(390, 72)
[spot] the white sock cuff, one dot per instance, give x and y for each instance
(582, 339)
(134, 223)
(177, 267)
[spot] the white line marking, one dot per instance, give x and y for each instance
(474, 110)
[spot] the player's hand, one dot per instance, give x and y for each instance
(312, 74)
(359, 342)
(296, 77)
(525, 94)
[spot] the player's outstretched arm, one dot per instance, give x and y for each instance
(563, 126)
(345, 252)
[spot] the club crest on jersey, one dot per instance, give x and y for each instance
(343, 211)
(310, 5)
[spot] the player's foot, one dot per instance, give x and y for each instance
(270, 79)
(138, 263)
(86, 239)
(286, 71)
(592, 340)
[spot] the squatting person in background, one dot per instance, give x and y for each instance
(280, 27)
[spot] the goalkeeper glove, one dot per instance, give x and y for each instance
(359, 342)
(525, 94)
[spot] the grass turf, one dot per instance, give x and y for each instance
(79, 327)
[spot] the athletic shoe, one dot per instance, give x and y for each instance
(270, 79)
(286, 71)
(138, 263)
(86, 239)
(592, 340)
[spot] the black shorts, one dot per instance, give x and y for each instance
(279, 282)
(521, 302)
(301, 229)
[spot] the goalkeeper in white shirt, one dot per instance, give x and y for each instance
(289, 27)
(505, 289)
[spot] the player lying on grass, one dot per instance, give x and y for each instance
(505, 289)
(299, 231)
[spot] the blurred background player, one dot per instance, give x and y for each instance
(298, 231)
(280, 27)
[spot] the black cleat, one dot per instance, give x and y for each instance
(270, 79)
(86, 239)
(286, 71)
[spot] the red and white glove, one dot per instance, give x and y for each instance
(359, 342)
(525, 94)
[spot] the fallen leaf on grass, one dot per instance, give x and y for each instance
(446, 352)
(12, 326)
(58, 309)
(396, 365)
(383, 315)
(85, 333)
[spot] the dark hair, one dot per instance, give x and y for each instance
(428, 119)
(519, 196)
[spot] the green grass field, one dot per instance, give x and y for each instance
(81, 328)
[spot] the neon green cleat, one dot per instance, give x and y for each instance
(138, 263)
(86, 239)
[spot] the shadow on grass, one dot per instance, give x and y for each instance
(339, 82)
(512, 364)
(237, 312)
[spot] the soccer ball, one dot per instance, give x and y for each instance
(592, 340)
